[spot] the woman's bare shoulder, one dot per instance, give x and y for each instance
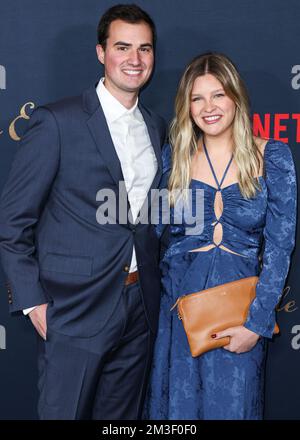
(260, 143)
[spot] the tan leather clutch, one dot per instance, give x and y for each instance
(216, 309)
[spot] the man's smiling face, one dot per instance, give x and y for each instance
(128, 57)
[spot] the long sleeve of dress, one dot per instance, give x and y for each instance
(279, 237)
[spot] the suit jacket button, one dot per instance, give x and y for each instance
(126, 268)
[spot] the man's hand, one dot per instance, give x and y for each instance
(38, 319)
(241, 339)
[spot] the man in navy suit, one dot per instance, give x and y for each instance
(91, 290)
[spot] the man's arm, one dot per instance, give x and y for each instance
(29, 183)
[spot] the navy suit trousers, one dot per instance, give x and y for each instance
(103, 377)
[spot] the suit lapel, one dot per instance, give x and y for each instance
(155, 140)
(100, 132)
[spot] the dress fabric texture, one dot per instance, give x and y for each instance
(220, 384)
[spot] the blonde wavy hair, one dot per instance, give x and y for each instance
(184, 133)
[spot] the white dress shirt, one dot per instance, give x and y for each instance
(134, 150)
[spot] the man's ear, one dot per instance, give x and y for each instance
(100, 53)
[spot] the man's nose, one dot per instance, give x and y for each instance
(135, 58)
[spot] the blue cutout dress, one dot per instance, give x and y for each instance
(220, 384)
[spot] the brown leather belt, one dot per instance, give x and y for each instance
(132, 278)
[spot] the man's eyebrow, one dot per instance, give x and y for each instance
(146, 45)
(122, 43)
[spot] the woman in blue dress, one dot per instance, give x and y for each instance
(249, 223)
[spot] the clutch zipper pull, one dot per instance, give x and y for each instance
(174, 305)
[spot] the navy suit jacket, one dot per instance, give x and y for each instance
(52, 247)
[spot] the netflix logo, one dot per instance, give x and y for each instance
(284, 127)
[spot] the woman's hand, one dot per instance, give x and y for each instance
(241, 339)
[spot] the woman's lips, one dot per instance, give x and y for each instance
(212, 119)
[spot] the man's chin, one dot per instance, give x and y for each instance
(134, 83)
(134, 88)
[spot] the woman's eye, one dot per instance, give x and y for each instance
(197, 98)
(219, 95)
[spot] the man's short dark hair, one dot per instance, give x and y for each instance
(130, 14)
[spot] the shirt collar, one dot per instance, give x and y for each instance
(112, 108)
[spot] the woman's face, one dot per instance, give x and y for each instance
(211, 109)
